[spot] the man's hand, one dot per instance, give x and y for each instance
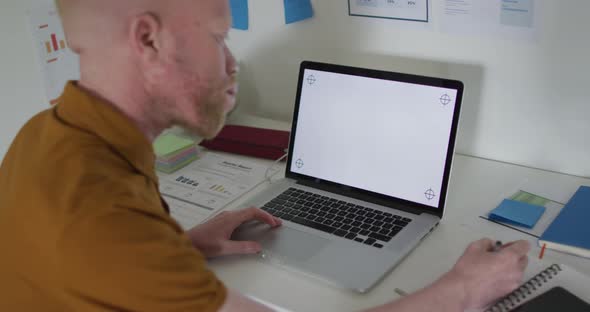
(487, 275)
(213, 238)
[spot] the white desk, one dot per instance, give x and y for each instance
(477, 186)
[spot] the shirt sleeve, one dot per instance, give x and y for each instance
(126, 260)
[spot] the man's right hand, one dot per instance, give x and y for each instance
(487, 275)
(478, 278)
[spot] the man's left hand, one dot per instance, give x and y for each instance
(213, 238)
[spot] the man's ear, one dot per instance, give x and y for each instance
(146, 39)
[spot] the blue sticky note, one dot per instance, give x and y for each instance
(297, 10)
(517, 213)
(239, 14)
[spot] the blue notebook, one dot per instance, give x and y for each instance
(517, 213)
(570, 231)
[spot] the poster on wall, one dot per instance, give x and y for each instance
(508, 19)
(404, 10)
(58, 64)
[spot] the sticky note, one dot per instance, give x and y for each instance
(171, 168)
(517, 213)
(297, 10)
(529, 198)
(239, 14)
(168, 144)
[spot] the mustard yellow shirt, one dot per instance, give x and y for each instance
(82, 223)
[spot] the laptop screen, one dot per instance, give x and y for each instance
(375, 134)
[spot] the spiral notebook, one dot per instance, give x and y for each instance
(556, 275)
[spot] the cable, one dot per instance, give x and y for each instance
(266, 176)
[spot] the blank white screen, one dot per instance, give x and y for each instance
(378, 135)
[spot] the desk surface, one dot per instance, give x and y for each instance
(477, 186)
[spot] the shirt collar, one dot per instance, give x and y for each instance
(82, 110)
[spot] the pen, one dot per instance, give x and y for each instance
(400, 292)
(542, 251)
(497, 246)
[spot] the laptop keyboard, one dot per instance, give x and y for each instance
(337, 217)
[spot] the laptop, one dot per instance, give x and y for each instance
(367, 173)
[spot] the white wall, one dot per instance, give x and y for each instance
(21, 90)
(526, 103)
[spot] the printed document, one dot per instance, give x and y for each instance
(203, 188)
(58, 63)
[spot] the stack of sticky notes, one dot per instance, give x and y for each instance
(173, 152)
(517, 213)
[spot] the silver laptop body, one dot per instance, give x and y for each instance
(367, 173)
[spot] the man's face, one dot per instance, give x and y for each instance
(196, 86)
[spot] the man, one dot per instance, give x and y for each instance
(82, 222)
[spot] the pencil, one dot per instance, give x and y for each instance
(400, 292)
(542, 251)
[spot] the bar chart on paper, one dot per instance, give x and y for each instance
(52, 44)
(58, 63)
(200, 190)
(220, 189)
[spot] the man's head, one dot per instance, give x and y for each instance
(162, 62)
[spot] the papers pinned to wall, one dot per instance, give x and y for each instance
(58, 63)
(405, 10)
(508, 19)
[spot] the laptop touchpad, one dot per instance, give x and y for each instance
(293, 245)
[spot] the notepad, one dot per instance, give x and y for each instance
(556, 275)
(517, 213)
(555, 299)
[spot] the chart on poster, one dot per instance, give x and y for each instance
(58, 63)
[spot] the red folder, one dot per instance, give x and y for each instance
(256, 142)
